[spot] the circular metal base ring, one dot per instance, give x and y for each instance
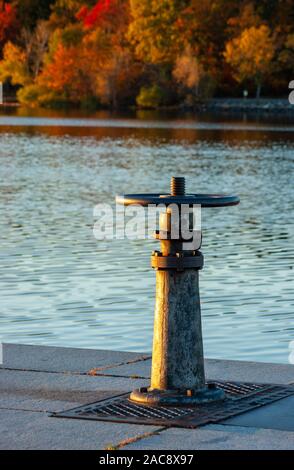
(154, 397)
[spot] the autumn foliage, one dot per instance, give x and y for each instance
(251, 54)
(147, 52)
(103, 12)
(8, 21)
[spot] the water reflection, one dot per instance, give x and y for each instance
(60, 286)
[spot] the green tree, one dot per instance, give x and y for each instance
(151, 97)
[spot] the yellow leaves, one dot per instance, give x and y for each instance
(251, 53)
(153, 30)
(14, 65)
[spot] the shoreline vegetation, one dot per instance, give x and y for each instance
(277, 106)
(116, 54)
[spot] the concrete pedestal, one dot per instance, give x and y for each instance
(177, 359)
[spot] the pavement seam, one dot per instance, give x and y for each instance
(133, 361)
(124, 443)
(92, 373)
(26, 410)
(75, 373)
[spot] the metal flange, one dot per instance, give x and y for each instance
(178, 262)
(147, 396)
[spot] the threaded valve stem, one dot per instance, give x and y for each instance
(177, 186)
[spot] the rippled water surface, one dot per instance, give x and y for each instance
(60, 286)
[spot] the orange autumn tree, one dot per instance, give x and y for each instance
(62, 78)
(250, 55)
(64, 74)
(114, 71)
(88, 60)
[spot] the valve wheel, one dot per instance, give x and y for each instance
(204, 200)
(178, 196)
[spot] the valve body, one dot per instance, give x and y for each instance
(177, 357)
(177, 376)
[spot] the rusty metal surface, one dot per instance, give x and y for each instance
(240, 398)
(158, 261)
(188, 397)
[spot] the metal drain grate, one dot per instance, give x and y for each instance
(237, 390)
(240, 397)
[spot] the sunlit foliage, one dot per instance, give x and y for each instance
(251, 54)
(151, 53)
(14, 65)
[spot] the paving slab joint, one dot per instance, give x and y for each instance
(124, 443)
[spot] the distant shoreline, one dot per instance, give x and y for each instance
(280, 106)
(250, 105)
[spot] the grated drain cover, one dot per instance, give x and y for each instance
(240, 397)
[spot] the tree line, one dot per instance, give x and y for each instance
(149, 53)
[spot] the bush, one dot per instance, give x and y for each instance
(151, 97)
(29, 95)
(35, 95)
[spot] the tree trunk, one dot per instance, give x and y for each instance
(258, 90)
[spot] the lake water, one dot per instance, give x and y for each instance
(60, 286)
